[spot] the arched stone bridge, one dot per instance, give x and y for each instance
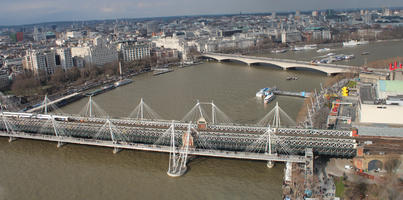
(284, 64)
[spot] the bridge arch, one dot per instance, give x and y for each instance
(234, 60)
(209, 57)
(307, 68)
(375, 164)
(271, 65)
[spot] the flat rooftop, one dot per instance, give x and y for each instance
(379, 130)
(367, 94)
(391, 86)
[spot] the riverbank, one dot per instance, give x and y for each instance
(81, 90)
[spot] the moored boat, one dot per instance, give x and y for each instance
(269, 97)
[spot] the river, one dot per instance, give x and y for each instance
(39, 170)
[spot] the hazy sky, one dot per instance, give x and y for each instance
(13, 12)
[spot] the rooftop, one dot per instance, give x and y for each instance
(391, 86)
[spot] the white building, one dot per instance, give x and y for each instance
(73, 34)
(290, 36)
(132, 52)
(41, 60)
(173, 43)
(98, 54)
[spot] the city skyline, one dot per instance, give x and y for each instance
(22, 12)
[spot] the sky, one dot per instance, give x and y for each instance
(17, 12)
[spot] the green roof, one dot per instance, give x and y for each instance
(390, 86)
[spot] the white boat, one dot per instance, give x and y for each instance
(348, 57)
(306, 47)
(298, 48)
(323, 50)
(261, 92)
(279, 51)
(310, 46)
(361, 42)
(350, 43)
(269, 97)
(122, 82)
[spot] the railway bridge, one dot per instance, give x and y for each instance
(183, 138)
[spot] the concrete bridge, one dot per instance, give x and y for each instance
(284, 64)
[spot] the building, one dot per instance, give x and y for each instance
(78, 62)
(20, 36)
(99, 53)
(4, 79)
(326, 35)
(382, 104)
(228, 33)
(290, 36)
(73, 34)
(40, 61)
(132, 52)
(64, 58)
(50, 59)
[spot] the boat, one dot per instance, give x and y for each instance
(348, 57)
(122, 82)
(362, 42)
(261, 92)
(298, 48)
(310, 46)
(306, 47)
(350, 43)
(269, 96)
(292, 78)
(323, 50)
(160, 71)
(279, 51)
(101, 90)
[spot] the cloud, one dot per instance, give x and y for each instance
(34, 11)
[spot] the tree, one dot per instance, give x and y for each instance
(25, 84)
(391, 165)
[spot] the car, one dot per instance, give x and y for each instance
(348, 167)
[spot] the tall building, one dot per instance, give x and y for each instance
(315, 13)
(20, 36)
(132, 52)
(50, 58)
(41, 61)
(64, 58)
(4, 79)
(273, 15)
(35, 61)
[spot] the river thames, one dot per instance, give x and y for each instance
(39, 170)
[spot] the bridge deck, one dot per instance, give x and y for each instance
(53, 102)
(158, 148)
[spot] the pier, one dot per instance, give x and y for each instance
(292, 94)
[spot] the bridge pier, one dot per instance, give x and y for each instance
(270, 164)
(60, 144)
(11, 139)
(116, 150)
